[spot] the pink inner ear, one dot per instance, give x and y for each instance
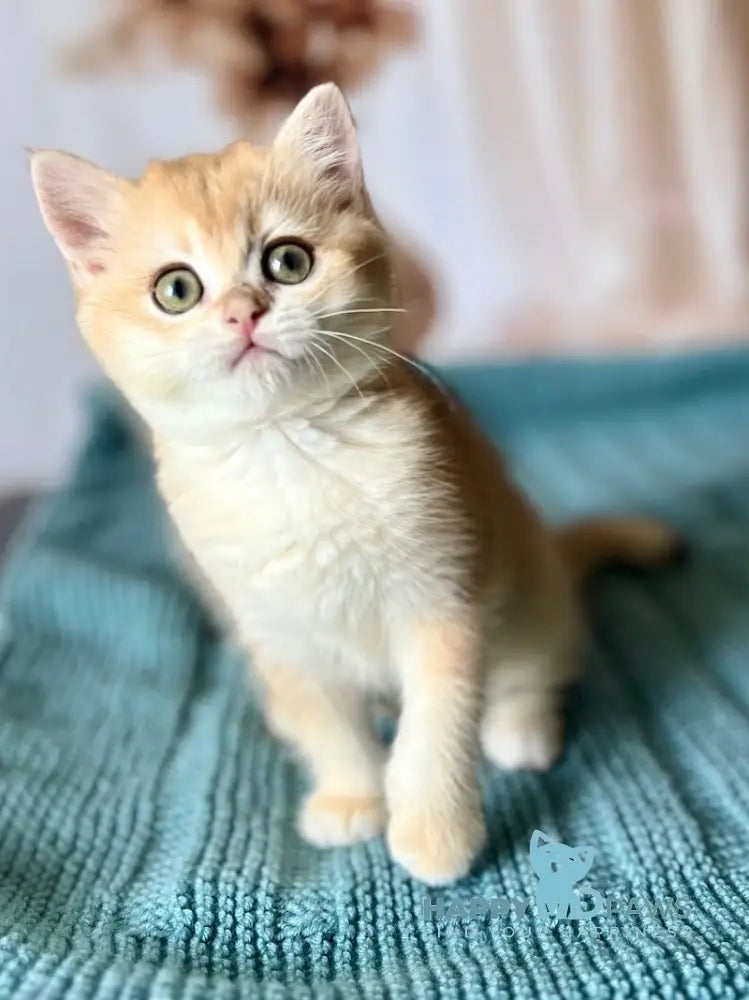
(77, 199)
(83, 236)
(81, 232)
(321, 130)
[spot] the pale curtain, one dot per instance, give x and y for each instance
(612, 137)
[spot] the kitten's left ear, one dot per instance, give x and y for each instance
(539, 839)
(321, 131)
(78, 202)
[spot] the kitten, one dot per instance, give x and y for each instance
(353, 521)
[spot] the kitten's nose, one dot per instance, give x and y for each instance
(242, 311)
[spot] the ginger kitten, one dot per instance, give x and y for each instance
(353, 521)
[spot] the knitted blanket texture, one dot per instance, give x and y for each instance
(147, 840)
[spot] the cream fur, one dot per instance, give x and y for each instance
(353, 523)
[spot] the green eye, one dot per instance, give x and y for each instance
(177, 290)
(287, 263)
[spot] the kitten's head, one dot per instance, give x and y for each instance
(226, 287)
(549, 858)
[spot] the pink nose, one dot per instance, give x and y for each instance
(243, 312)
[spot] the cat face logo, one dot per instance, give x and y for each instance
(559, 869)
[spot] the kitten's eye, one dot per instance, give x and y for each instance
(287, 263)
(177, 290)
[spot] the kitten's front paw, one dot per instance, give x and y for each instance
(525, 738)
(331, 820)
(434, 849)
(524, 744)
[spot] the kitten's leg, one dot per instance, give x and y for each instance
(436, 823)
(524, 729)
(330, 726)
(522, 724)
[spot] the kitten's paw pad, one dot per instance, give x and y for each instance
(433, 851)
(524, 743)
(329, 820)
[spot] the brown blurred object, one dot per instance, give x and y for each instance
(261, 54)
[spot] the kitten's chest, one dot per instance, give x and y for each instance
(291, 532)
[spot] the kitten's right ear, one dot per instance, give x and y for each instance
(320, 131)
(78, 201)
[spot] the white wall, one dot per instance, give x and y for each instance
(42, 361)
(422, 151)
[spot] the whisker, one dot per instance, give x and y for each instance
(370, 260)
(340, 334)
(379, 329)
(364, 263)
(353, 341)
(313, 357)
(369, 358)
(351, 312)
(315, 343)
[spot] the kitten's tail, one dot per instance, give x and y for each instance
(593, 543)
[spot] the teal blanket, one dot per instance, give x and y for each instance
(147, 842)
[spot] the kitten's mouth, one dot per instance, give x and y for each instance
(253, 348)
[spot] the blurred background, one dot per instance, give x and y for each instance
(561, 176)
